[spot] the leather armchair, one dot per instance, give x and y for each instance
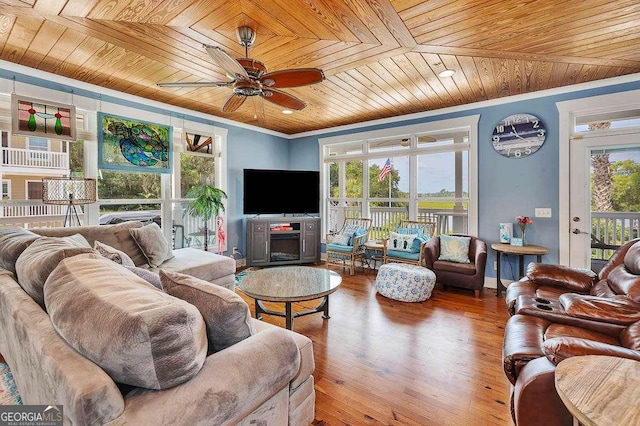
(619, 277)
(465, 275)
(533, 347)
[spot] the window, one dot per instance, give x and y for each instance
(38, 151)
(6, 189)
(196, 169)
(423, 172)
(4, 136)
(612, 120)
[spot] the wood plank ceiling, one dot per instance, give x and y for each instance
(381, 58)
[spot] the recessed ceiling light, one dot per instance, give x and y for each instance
(287, 111)
(446, 73)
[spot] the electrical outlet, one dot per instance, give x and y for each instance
(495, 265)
(543, 212)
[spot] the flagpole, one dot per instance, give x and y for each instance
(389, 189)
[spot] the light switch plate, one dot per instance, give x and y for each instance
(543, 212)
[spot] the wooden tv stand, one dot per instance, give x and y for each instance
(283, 241)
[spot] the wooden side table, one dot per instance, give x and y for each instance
(519, 251)
(600, 390)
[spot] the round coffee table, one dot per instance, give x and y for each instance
(290, 284)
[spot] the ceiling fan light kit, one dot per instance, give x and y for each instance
(249, 77)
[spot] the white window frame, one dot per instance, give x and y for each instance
(438, 126)
(8, 192)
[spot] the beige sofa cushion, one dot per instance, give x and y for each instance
(227, 316)
(13, 241)
(138, 334)
(153, 244)
(43, 255)
(116, 236)
(202, 264)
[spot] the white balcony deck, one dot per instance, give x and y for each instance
(27, 161)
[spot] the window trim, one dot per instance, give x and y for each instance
(437, 126)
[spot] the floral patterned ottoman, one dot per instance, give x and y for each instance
(404, 282)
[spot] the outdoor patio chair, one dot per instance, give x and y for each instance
(401, 248)
(346, 246)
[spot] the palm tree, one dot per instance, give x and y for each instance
(207, 203)
(601, 198)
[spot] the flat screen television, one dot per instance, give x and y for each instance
(281, 191)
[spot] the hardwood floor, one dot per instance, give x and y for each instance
(380, 361)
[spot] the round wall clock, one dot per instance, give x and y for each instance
(519, 135)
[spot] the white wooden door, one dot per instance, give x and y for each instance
(579, 225)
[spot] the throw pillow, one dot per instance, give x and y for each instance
(359, 232)
(227, 316)
(417, 242)
(153, 244)
(454, 249)
(113, 254)
(43, 255)
(341, 240)
(408, 230)
(138, 335)
(350, 230)
(401, 242)
(146, 275)
(13, 241)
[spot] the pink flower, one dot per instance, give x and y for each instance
(524, 220)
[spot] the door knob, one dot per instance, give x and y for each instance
(576, 231)
(576, 219)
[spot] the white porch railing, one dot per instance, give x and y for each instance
(16, 157)
(610, 230)
(33, 214)
(188, 230)
(386, 219)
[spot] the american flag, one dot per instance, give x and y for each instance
(385, 170)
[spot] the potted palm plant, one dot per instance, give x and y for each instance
(207, 203)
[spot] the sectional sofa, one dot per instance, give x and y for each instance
(120, 344)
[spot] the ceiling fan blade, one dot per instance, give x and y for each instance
(232, 67)
(292, 78)
(283, 99)
(197, 84)
(234, 102)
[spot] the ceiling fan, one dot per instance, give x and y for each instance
(249, 77)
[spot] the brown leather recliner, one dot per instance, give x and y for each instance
(549, 282)
(465, 275)
(533, 347)
(560, 312)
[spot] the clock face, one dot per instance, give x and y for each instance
(518, 135)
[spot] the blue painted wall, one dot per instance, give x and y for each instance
(506, 187)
